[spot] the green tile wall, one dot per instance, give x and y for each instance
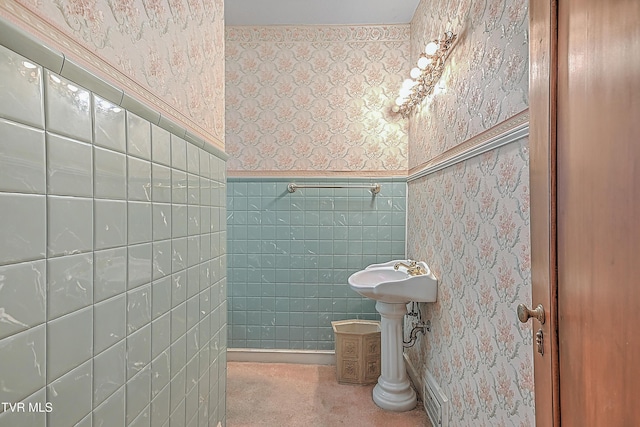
(112, 310)
(290, 255)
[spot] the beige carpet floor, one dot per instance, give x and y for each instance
(292, 395)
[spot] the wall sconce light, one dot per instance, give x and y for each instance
(425, 76)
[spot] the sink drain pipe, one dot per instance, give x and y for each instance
(418, 326)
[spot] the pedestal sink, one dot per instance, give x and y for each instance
(393, 285)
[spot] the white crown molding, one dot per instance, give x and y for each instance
(506, 132)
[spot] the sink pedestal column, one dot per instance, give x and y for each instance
(393, 391)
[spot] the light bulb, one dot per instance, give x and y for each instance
(395, 108)
(423, 62)
(405, 92)
(415, 72)
(431, 48)
(408, 83)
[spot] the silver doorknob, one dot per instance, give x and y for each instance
(524, 313)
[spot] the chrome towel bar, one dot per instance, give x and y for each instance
(374, 188)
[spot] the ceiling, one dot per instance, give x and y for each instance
(318, 12)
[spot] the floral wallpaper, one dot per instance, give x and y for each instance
(470, 221)
(167, 53)
(473, 231)
(486, 79)
(315, 99)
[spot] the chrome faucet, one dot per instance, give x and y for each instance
(413, 269)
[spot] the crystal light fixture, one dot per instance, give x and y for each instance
(425, 76)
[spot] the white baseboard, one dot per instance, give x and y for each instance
(303, 357)
(414, 376)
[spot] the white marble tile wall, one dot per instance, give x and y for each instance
(112, 262)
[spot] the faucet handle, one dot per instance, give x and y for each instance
(412, 268)
(418, 270)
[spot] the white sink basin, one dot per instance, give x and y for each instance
(393, 289)
(382, 282)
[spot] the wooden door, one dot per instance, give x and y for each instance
(585, 135)
(598, 193)
(542, 144)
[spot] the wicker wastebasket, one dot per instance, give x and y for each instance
(357, 351)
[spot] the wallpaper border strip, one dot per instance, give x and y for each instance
(316, 174)
(344, 33)
(15, 37)
(510, 130)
